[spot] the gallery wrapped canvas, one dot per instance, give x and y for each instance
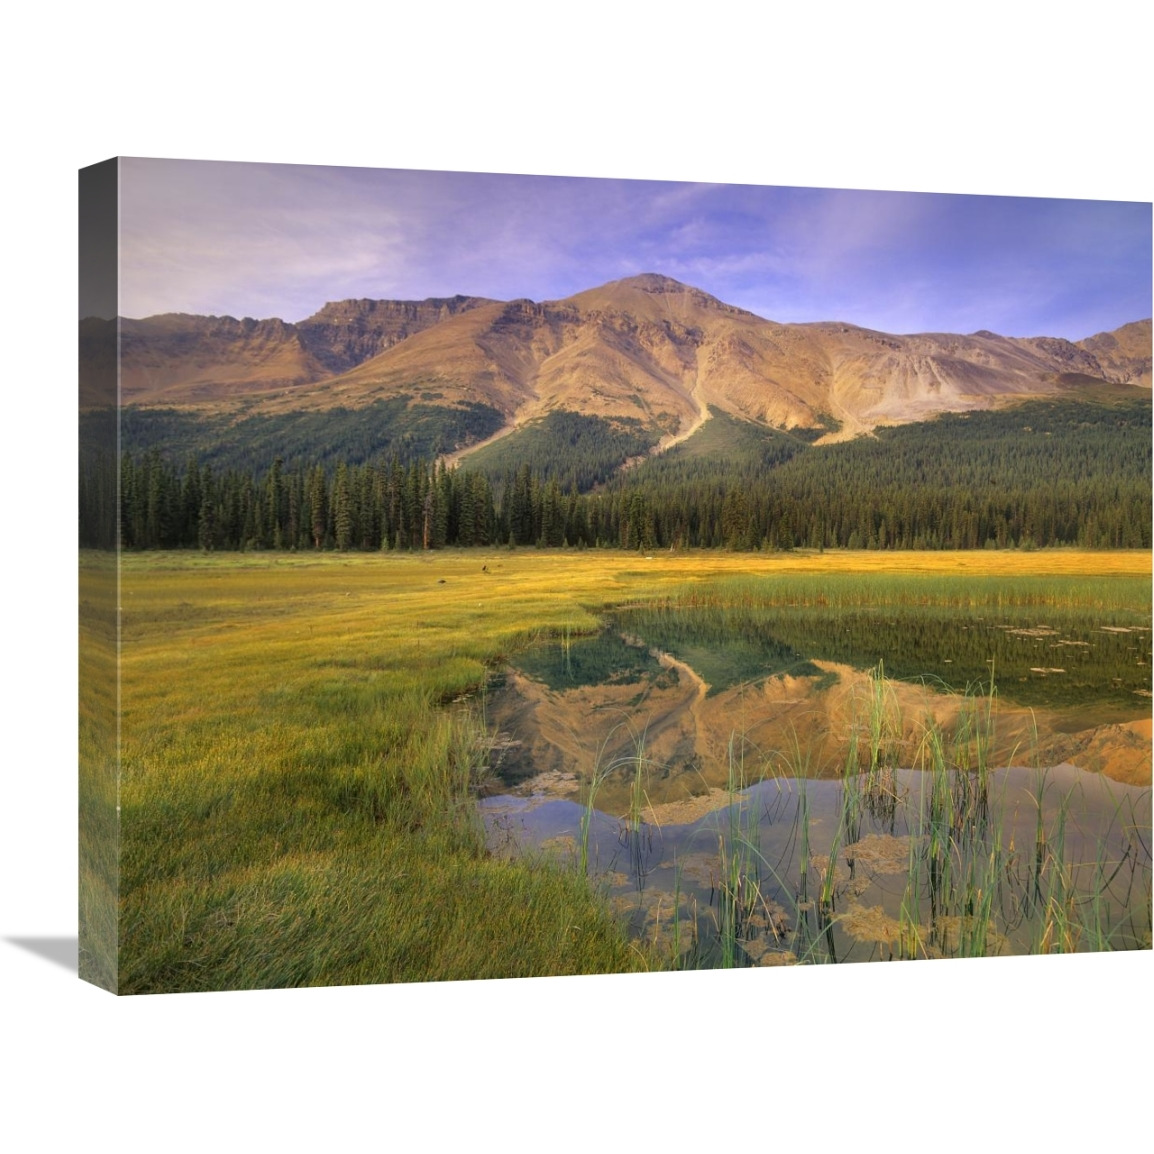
(493, 576)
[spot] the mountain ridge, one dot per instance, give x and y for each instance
(646, 347)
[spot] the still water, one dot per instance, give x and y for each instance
(768, 786)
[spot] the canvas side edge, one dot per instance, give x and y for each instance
(98, 576)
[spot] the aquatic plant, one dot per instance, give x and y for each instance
(966, 891)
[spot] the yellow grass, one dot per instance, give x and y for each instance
(295, 777)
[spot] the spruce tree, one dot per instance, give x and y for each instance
(342, 508)
(319, 506)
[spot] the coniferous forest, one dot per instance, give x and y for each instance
(1043, 474)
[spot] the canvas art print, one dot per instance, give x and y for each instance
(490, 576)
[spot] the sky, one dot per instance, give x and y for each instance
(266, 240)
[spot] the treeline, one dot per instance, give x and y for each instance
(390, 505)
(767, 515)
(369, 507)
(423, 505)
(1043, 474)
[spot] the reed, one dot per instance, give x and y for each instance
(603, 767)
(587, 820)
(740, 889)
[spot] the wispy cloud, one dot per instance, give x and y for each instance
(280, 240)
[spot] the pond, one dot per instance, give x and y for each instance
(756, 785)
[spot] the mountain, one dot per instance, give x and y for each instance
(647, 350)
(180, 359)
(176, 358)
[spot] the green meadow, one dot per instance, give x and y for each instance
(303, 738)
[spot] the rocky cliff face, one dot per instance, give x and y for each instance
(1123, 356)
(1065, 356)
(345, 333)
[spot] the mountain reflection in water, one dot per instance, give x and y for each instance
(756, 787)
(684, 694)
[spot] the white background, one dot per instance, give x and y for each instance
(994, 98)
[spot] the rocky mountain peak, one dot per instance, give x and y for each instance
(653, 282)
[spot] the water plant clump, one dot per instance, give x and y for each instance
(947, 857)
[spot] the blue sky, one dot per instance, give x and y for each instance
(281, 240)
